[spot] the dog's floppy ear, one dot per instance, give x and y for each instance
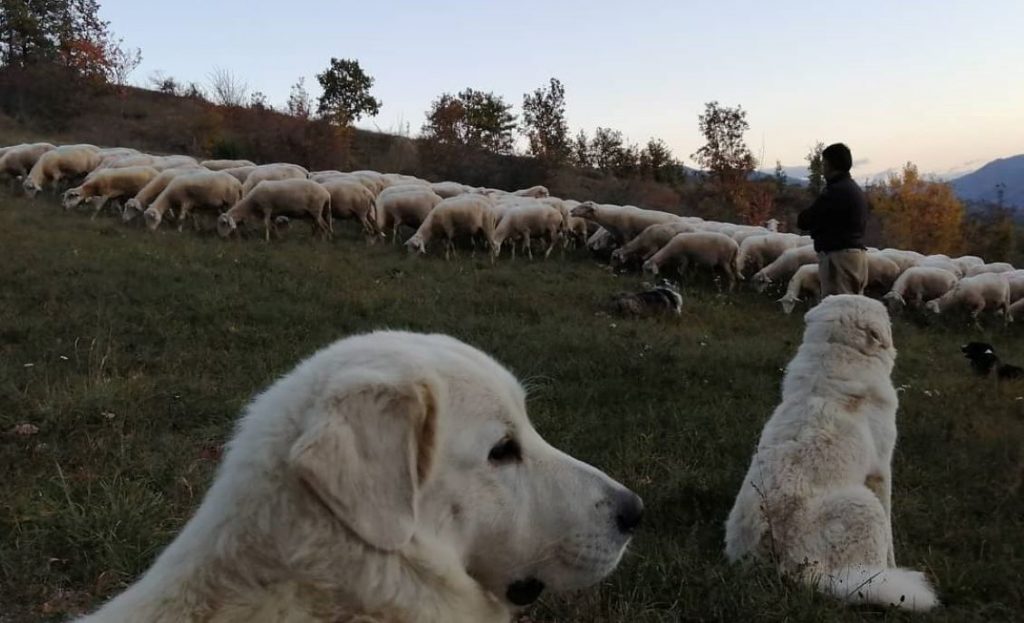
(367, 456)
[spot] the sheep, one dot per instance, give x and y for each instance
(240, 173)
(373, 180)
(882, 272)
(772, 225)
(985, 291)
(1017, 308)
(806, 279)
(403, 205)
(207, 189)
(1016, 281)
(576, 229)
(746, 232)
(18, 160)
(63, 163)
(323, 176)
(784, 267)
(756, 252)
(537, 192)
(601, 243)
(903, 259)
(918, 284)
(350, 199)
(294, 198)
(622, 222)
(398, 179)
(526, 221)
(122, 161)
(109, 184)
(148, 193)
(710, 249)
(967, 262)
(449, 189)
(273, 172)
(648, 242)
(463, 215)
(220, 165)
(994, 268)
(943, 262)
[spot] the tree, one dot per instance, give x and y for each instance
(544, 122)
(725, 155)
(471, 118)
(346, 95)
(656, 162)
(781, 179)
(581, 154)
(815, 169)
(163, 83)
(258, 101)
(122, 62)
(299, 104)
(919, 214)
(227, 89)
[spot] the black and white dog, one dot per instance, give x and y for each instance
(983, 360)
(663, 299)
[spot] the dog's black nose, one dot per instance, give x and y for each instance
(629, 512)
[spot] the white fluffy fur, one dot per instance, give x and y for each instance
(359, 488)
(817, 497)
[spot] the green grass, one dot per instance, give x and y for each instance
(134, 352)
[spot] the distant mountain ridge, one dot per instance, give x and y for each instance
(982, 185)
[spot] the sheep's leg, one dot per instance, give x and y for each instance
(98, 206)
(553, 238)
(266, 226)
(529, 247)
(183, 213)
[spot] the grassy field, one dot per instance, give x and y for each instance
(133, 353)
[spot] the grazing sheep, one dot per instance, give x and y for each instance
(449, 189)
(918, 284)
(63, 163)
(240, 173)
(746, 232)
(805, 280)
(273, 172)
(903, 259)
(648, 242)
(986, 291)
(206, 189)
(708, 249)
(294, 198)
(623, 222)
(994, 268)
(352, 200)
(526, 221)
(220, 165)
(943, 262)
(403, 205)
(882, 273)
(18, 160)
(784, 267)
(398, 179)
(756, 252)
(1016, 281)
(1017, 309)
(373, 180)
(967, 262)
(463, 215)
(148, 193)
(108, 184)
(537, 192)
(601, 243)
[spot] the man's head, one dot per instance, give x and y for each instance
(836, 159)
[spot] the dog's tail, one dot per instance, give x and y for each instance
(901, 588)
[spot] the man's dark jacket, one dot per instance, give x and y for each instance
(837, 218)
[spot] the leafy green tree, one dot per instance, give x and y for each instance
(346, 93)
(815, 169)
(299, 104)
(581, 155)
(724, 154)
(656, 162)
(544, 123)
(471, 118)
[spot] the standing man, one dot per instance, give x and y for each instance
(836, 221)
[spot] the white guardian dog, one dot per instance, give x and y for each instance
(817, 499)
(391, 477)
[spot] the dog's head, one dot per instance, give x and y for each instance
(422, 438)
(854, 321)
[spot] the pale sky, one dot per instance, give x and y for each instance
(939, 83)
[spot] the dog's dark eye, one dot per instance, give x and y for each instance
(506, 451)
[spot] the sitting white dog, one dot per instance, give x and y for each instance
(817, 497)
(391, 477)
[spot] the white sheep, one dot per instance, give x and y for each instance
(292, 198)
(148, 193)
(943, 262)
(18, 160)
(322, 176)
(705, 249)
(746, 232)
(220, 165)
(967, 262)
(66, 162)
(373, 180)
(756, 252)
(805, 281)
(213, 190)
(273, 172)
(648, 242)
(107, 184)
(449, 189)
(882, 272)
(537, 192)
(918, 284)
(994, 267)
(399, 179)
(403, 205)
(903, 259)
(240, 173)
(623, 222)
(352, 200)
(527, 221)
(601, 243)
(784, 267)
(459, 216)
(985, 291)
(1016, 281)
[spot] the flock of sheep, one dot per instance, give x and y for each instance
(240, 193)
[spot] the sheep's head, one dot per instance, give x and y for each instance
(72, 198)
(30, 187)
(132, 208)
(650, 267)
(772, 224)
(153, 218)
(617, 258)
(416, 244)
(226, 225)
(933, 306)
(893, 300)
(761, 281)
(788, 303)
(584, 210)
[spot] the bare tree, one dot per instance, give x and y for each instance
(227, 89)
(121, 63)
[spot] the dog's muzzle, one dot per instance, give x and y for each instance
(524, 592)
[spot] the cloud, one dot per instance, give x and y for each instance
(861, 162)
